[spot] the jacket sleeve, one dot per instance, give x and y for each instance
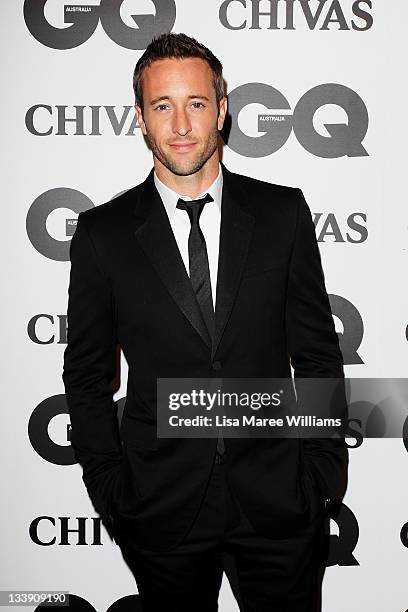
(314, 348)
(89, 369)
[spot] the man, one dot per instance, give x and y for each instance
(147, 270)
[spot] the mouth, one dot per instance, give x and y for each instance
(182, 147)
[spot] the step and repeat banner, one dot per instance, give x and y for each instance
(316, 96)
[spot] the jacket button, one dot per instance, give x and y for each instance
(216, 365)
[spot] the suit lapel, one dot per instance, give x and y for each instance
(235, 236)
(155, 236)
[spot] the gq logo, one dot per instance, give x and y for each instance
(352, 332)
(84, 20)
(51, 202)
(50, 224)
(342, 139)
(49, 429)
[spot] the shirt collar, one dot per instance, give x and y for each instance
(170, 197)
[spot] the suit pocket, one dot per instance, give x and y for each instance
(311, 489)
(265, 266)
(126, 492)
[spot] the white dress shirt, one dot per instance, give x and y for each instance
(210, 222)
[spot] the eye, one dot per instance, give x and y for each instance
(198, 104)
(161, 107)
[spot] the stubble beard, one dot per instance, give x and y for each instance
(184, 168)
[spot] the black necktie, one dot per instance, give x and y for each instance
(200, 270)
(198, 259)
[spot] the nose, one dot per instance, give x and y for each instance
(181, 122)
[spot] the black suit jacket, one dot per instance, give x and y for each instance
(129, 286)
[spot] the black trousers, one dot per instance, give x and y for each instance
(265, 574)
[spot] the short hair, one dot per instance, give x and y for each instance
(171, 45)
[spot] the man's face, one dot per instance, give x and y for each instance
(180, 118)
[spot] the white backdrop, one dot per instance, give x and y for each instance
(40, 482)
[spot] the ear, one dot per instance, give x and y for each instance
(223, 112)
(139, 116)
